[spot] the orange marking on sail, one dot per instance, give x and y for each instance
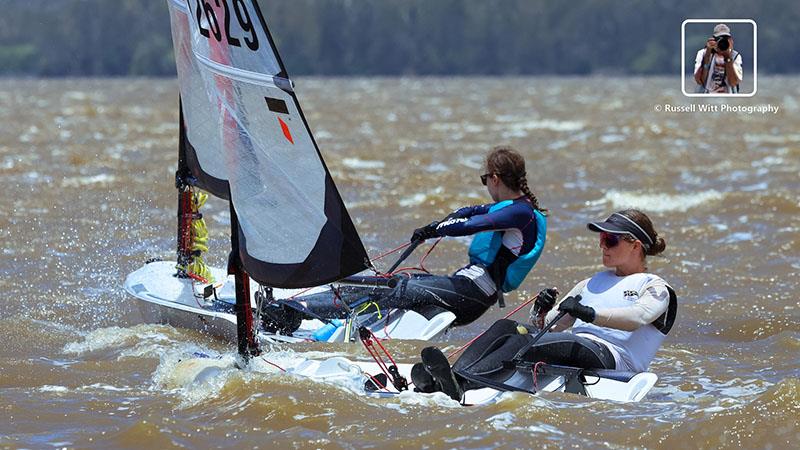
(285, 129)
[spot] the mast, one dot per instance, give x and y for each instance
(245, 330)
(182, 176)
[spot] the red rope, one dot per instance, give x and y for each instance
(400, 270)
(386, 324)
(377, 383)
(534, 369)
(460, 349)
(385, 275)
(300, 293)
(369, 344)
(422, 260)
(194, 295)
(378, 341)
(273, 364)
(186, 222)
(378, 360)
(337, 298)
(391, 251)
(197, 277)
(421, 266)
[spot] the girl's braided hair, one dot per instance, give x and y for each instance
(509, 165)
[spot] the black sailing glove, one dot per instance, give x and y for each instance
(545, 300)
(573, 307)
(426, 232)
(543, 304)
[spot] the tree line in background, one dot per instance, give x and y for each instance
(397, 37)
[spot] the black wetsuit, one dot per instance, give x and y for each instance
(457, 293)
(502, 341)
(421, 292)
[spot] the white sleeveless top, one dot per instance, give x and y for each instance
(633, 350)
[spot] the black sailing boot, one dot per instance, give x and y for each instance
(438, 367)
(423, 381)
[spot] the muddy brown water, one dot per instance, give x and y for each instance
(86, 172)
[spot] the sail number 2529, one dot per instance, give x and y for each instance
(211, 10)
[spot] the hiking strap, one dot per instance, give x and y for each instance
(573, 377)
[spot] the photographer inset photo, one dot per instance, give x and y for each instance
(718, 67)
(723, 53)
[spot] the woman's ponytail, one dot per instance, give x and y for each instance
(523, 186)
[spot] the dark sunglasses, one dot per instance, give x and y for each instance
(485, 177)
(611, 240)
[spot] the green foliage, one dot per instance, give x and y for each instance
(19, 58)
(398, 37)
(651, 59)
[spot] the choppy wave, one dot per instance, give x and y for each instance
(53, 388)
(770, 420)
(101, 179)
(356, 163)
(657, 202)
(546, 124)
(772, 138)
(420, 198)
(117, 337)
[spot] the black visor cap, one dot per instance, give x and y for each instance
(619, 224)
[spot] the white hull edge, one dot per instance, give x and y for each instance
(342, 370)
(164, 298)
(352, 375)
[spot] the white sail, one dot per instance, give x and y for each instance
(246, 139)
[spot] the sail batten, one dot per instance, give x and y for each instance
(246, 75)
(246, 140)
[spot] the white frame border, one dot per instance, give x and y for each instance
(683, 56)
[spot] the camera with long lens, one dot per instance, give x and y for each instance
(723, 42)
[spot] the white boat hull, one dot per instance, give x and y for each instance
(353, 375)
(164, 298)
(342, 370)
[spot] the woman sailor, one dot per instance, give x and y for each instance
(510, 237)
(618, 318)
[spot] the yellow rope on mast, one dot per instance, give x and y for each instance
(197, 267)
